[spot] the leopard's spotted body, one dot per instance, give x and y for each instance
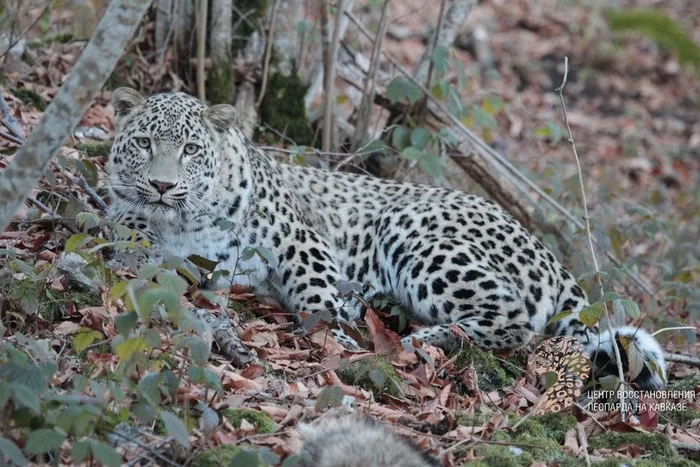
(179, 169)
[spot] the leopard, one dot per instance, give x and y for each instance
(184, 176)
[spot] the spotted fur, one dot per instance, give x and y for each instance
(186, 177)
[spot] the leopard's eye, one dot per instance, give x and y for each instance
(191, 149)
(143, 143)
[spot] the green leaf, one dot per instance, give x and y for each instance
(10, 452)
(420, 137)
(246, 458)
(635, 357)
(44, 440)
(441, 58)
(171, 282)
(130, 347)
(454, 102)
(492, 104)
(432, 164)
(592, 314)
(82, 340)
(79, 451)
(202, 262)
(176, 428)
(268, 256)
(616, 241)
(199, 350)
(105, 453)
(125, 322)
(77, 241)
(401, 87)
(87, 220)
(630, 307)
(26, 396)
(412, 154)
(609, 297)
(484, 119)
(329, 397)
(559, 317)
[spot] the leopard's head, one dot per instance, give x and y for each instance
(166, 156)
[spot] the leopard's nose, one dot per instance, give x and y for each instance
(161, 187)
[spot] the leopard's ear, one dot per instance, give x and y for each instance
(124, 100)
(222, 116)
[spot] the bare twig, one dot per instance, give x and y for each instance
(201, 48)
(586, 218)
(82, 183)
(47, 210)
(675, 328)
(501, 163)
(684, 359)
(364, 113)
(583, 442)
(268, 52)
(10, 137)
(8, 119)
(451, 18)
(329, 72)
(24, 33)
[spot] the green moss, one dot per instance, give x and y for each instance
(529, 427)
(255, 11)
(547, 449)
(30, 97)
(220, 455)
(680, 417)
(491, 373)
(556, 425)
(262, 422)
(373, 374)
(95, 148)
(503, 456)
(220, 83)
(657, 445)
(687, 384)
(283, 110)
(664, 463)
(465, 418)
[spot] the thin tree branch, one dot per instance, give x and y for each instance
(364, 113)
(201, 48)
(589, 234)
(9, 120)
(268, 52)
(684, 359)
(86, 79)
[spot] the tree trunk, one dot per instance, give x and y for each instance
(222, 76)
(86, 79)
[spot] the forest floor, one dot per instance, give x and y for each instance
(634, 115)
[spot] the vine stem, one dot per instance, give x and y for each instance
(589, 234)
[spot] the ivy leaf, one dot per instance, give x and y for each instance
(401, 87)
(44, 440)
(176, 428)
(10, 452)
(592, 314)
